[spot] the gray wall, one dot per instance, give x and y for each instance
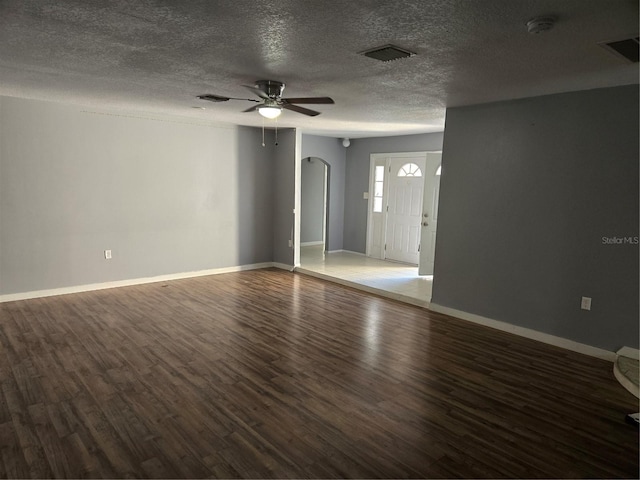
(165, 196)
(312, 200)
(255, 193)
(529, 189)
(357, 178)
(282, 214)
(334, 154)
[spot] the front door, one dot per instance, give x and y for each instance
(404, 209)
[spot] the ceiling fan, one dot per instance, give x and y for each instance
(272, 103)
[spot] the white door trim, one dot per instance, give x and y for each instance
(297, 197)
(372, 163)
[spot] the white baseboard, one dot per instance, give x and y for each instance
(629, 352)
(346, 251)
(311, 244)
(527, 333)
(283, 266)
(129, 282)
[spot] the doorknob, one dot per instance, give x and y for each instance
(426, 215)
(425, 224)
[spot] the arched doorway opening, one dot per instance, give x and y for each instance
(314, 204)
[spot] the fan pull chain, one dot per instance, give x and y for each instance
(263, 132)
(276, 132)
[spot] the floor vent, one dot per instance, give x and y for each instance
(387, 53)
(628, 48)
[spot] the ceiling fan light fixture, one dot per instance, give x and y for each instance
(269, 111)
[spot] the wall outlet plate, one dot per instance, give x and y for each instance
(107, 254)
(585, 304)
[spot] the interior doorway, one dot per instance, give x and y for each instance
(313, 203)
(394, 279)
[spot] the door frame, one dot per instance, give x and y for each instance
(373, 159)
(325, 206)
(372, 162)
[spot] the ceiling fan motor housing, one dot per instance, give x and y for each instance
(272, 88)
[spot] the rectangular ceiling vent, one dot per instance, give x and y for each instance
(387, 53)
(628, 48)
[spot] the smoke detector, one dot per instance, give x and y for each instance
(540, 24)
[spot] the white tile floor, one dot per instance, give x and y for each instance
(393, 280)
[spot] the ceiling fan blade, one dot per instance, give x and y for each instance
(213, 98)
(296, 108)
(257, 91)
(309, 100)
(251, 109)
(220, 98)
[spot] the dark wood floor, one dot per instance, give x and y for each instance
(273, 374)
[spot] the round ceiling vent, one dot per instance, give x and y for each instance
(540, 24)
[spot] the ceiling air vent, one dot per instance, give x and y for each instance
(386, 53)
(627, 48)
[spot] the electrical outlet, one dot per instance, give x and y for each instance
(107, 254)
(290, 244)
(585, 304)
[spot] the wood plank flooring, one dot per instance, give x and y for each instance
(272, 374)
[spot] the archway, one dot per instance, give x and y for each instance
(314, 203)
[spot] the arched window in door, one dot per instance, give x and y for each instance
(410, 170)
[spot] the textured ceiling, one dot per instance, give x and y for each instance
(155, 56)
